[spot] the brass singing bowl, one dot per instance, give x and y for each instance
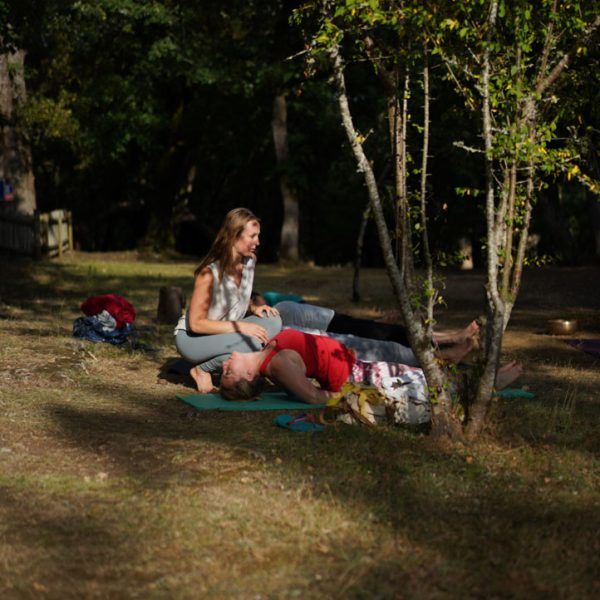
(561, 326)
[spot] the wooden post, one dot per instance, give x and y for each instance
(37, 236)
(59, 230)
(70, 229)
(171, 303)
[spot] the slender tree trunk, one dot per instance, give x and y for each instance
(288, 250)
(501, 231)
(511, 193)
(524, 234)
(407, 266)
(495, 307)
(358, 258)
(398, 117)
(395, 127)
(444, 421)
(15, 153)
(361, 238)
(595, 221)
(424, 166)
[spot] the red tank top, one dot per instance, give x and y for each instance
(326, 360)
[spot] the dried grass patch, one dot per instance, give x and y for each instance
(110, 487)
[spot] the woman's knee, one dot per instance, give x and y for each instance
(305, 315)
(273, 325)
(183, 346)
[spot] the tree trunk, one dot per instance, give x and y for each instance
(358, 258)
(361, 238)
(15, 153)
(444, 421)
(171, 302)
(288, 250)
(595, 220)
(432, 296)
(498, 305)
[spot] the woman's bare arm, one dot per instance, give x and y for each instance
(288, 370)
(198, 312)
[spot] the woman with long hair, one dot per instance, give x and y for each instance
(215, 324)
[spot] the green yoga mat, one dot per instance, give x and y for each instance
(515, 393)
(267, 401)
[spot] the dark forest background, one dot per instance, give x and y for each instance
(149, 120)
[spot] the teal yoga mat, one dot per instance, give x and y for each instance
(272, 298)
(515, 393)
(267, 401)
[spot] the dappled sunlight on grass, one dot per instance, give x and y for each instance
(113, 488)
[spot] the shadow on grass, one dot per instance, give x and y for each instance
(77, 545)
(485, 533)
(496, 544)
(491, 531)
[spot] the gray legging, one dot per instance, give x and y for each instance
(296, 314)
(317, 319)
(369, 350)
(210, 351)
(376, 350)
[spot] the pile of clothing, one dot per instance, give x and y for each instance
(109, 318)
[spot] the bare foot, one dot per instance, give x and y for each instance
(472, 329)
(391, 317)
(470, 332)
(203, 380)
(508, 373)
(456, 352)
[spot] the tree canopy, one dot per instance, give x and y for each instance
(150, 118)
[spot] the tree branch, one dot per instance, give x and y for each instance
(566, 59)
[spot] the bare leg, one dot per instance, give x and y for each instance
(391, 317)
(456, 352)
(449, 336)
(508, 373)
(457, 336)
(202, 379)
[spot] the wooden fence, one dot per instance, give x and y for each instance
(48, 234)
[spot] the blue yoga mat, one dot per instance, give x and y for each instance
(267, 401)
(590, 346)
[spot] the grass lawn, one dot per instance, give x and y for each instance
(112, 488)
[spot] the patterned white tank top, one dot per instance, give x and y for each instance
(228, 302)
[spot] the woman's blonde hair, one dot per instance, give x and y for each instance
(221, 251)
(244, 389)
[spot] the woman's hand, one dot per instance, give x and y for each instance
(257, 331)
(264, 311)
